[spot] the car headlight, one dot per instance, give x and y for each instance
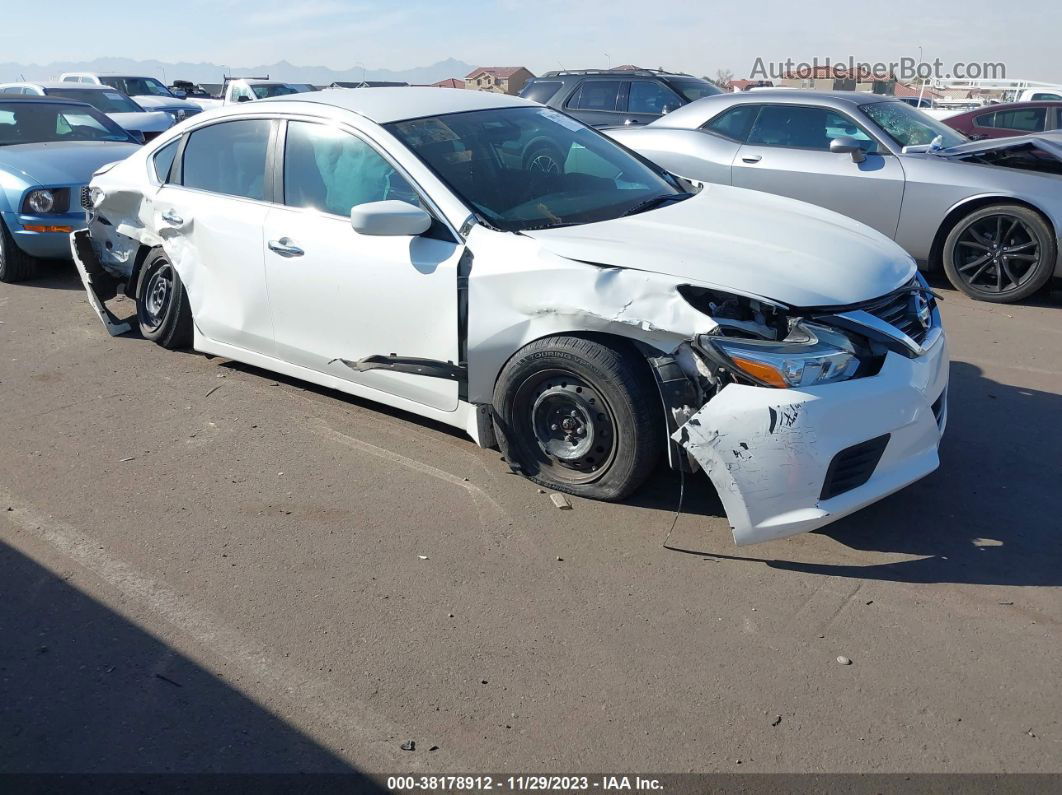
(41, 201)
(811, 355)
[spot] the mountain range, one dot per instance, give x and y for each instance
(213, 73)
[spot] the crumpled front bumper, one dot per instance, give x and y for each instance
(768, 451)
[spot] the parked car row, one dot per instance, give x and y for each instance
(586, 306)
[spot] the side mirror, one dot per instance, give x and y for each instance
(243, 98)
(847, 145)
(389, 218)
(179, 94)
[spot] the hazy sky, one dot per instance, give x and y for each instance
(698, 37)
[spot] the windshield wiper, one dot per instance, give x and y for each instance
(656, 201)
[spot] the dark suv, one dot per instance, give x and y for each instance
(605, 98)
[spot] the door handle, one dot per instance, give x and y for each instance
(751, 158)
(285, 247)
(171, 217)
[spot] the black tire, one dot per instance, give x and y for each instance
(15, 264)
(162, 310)
(1000, 254)
(614, 438)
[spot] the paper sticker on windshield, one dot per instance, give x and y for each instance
(562, 120)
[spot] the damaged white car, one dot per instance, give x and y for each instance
(497, 266)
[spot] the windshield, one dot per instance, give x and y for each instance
(693, 89)
(43, 122)
(273, 90)
(103, 101)
(534, 168)
(137, 86)
(909, 126)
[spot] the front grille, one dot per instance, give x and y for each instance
(901, 311)
(853, 466)
(86, 202)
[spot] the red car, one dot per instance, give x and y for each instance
(1002, 121)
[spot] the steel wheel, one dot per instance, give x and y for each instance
(998, 254)
(571, 423)
(158, 293)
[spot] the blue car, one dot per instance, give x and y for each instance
(49, 149)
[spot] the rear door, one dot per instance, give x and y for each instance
(787, 152)
(210, 215)
(599, 103)
(339, 296)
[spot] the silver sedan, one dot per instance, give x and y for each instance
(988, 212)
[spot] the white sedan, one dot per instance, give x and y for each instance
(497, 266)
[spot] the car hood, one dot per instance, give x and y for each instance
(748, 242)
(1050, 141)
(150, 102)
(145, 122)
(63, 163)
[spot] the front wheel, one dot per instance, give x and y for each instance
(580, 415)
(15, 264)
(162, 310)
(1001, 254)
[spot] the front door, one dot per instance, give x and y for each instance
(788, 153)
(339, 296)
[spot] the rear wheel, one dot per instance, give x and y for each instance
(579, 415)
(1002, 253)
(15, 264)
(162, 310)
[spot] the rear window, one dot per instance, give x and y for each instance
(693, 89)
(734, 123)
(228, 158)
(541, 90)
(163, 160)
(1026, 119)
(596, 95)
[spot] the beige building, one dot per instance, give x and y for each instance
(499, 79)
(825, 79)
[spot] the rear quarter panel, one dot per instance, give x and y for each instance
(691, 154)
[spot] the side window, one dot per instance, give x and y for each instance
(800, 127)
(648, 96)
(163, 160)
(229, 158)
(596, 95)
(331, 170)
(1041, 97)
(985, 120)
(734, 123)
(1026, 120)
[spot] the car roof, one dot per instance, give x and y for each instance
(798, 96)
(385, 105)
(41, 100)
(1035, 103)
(65, 85)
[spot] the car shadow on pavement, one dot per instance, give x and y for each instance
(992, 513)
(84, 690)
(54, 274)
